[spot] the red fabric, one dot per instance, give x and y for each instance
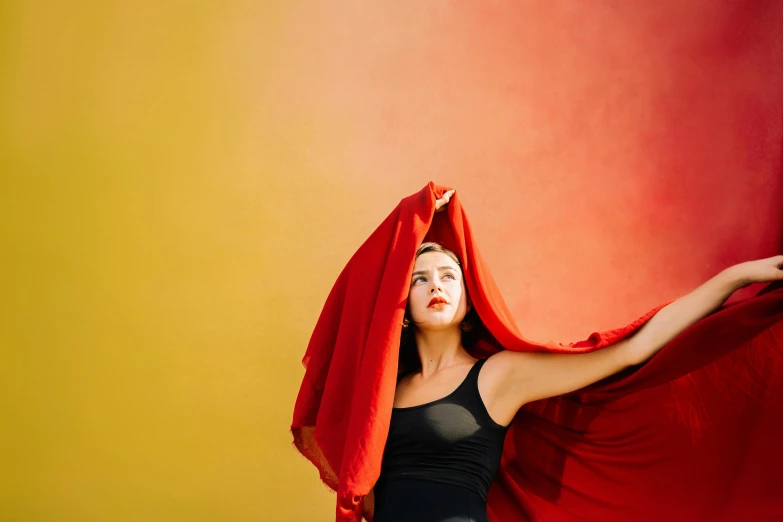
(693, 434)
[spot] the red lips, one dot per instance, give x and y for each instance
(436, 300)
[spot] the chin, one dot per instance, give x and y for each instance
(436, 327)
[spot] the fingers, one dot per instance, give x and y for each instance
(446, 197)
(441, 203)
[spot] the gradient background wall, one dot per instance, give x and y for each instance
(182, 183)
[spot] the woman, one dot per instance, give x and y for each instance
(451, 412)
(466, 372)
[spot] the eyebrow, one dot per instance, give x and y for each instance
(420, 272)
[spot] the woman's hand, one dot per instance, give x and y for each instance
(440, 204)
(759, 271)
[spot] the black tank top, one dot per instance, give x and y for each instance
(451, 440)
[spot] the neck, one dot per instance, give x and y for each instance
(440, 349)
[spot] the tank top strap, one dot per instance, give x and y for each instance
(474, 371)
(470, 383)
(471, 397)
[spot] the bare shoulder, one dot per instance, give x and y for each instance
(504, 367)
(511, 379)
(497, 367)
(494, 383)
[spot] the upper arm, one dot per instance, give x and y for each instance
(530, 376)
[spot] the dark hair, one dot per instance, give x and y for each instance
(471, 325)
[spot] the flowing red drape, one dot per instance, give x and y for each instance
(696, 433)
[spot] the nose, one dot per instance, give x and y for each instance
(435, 286)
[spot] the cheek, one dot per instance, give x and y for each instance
(458, 296)
(416, 299)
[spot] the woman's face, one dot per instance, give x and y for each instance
(436, 276)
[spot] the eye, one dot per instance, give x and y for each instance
(420, 277)
(449, 275)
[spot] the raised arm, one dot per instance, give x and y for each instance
(525, 377)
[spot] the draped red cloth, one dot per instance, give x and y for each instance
(695, 433)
